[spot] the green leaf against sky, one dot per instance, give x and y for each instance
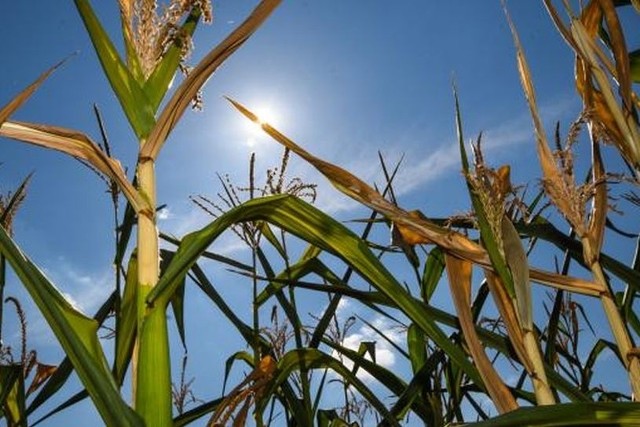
(129, 90)
(76, 333)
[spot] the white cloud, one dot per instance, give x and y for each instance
(84, 290)
(385, 354)
(164, 214)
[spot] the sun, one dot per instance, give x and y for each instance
(267, 114)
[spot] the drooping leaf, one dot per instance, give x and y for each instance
(76, 333)
(303, 220)
(76, 145)
(459, 275)
(423, 230)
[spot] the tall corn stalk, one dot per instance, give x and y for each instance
(155, 47)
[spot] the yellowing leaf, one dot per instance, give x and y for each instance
(17, 101)
(77, 145)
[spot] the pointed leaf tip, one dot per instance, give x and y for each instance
(22, 97)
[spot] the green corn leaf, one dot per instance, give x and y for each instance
(330, 418)
(196, 413)
(568, 414)
(516, 259)
(133, 62)
(419, 389)
(594, 354)
(177, 299)
(127, 321)
(267, 232)
(188, 89)
(127, 89)
(76, 333)
(242, 356)
(417, 346)
(488, 240)
(164, 72)
(205, 285)
(305, 221)
(385, 376)
(385, 337)
(65, 368)
(433, 269)
(634, 64)
(315, 359)
(12, 397)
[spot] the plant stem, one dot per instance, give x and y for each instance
(544, 395)
(151, 364)
(618, 328)
(3, 265)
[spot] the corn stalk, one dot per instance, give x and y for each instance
(140, 82)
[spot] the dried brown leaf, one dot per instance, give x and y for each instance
(509, 317)
(419, 228)
(77, 145)
(459, 274)
(43, 372)
(599, 207)
(16, 102)
(619, 48)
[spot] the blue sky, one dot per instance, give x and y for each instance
(342, 78)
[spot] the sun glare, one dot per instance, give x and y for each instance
(266, 114)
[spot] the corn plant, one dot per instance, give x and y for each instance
(155, 46)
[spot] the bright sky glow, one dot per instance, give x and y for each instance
(266, 114)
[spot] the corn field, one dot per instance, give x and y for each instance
(491, 263)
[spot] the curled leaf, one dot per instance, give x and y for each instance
(77, 145)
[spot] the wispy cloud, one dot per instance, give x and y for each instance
(85, 290)
(421, 166)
